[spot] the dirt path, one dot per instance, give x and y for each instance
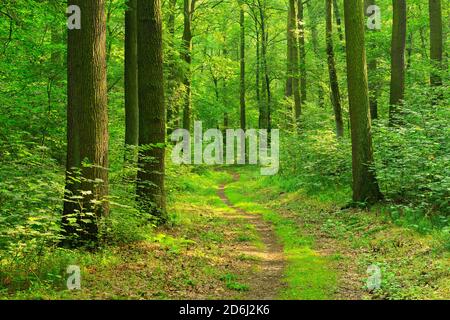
(267, 282)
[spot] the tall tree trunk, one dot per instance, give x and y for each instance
(131, 76)
(365, 185)
(288, 91)
(372, 69)
(409, 50)
(397, 58)
(187, 57)
(242, 58)
(265, 110)
(302, 51)
(293, 60)
(337, 15)
(435, 41)
(258, 74)
(334, 85)
(315, 44)
(87, 130)
(152, 133)
(172, 109)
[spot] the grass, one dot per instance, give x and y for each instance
(326, 249)
(414, 264)
(186, 261)
(309, 276)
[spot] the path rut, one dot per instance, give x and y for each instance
(268, 282)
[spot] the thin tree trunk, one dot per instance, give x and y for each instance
(152, 133)
(409, 50)
(172, 109)
(302, 51)
(131, 76)
(87, 124)
(365, 185)
(258, 74)
(294, 61)
(436, 42)
(372, 70)
(315, 44)
(397, 59)
(265, 110)
(187, 57)
(337, 15)
(242, 78)
(334, 85)
(288, 91)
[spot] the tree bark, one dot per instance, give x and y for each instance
(372, 70)
(334, 85)
(436, 41)
(293, 61)
(265, 102)
(131, 76)
(288, 91)
(315, 44)
(337, 15)
(397, 59)
(87, 132)
(187, 57)
(365, 185)
(301, 49)
(172, 109)
(258, 74)
(242, 67)
(152, 133)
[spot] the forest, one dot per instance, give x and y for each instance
(224, 149)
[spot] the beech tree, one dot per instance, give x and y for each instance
(87, 125)
(188, 11)
(242, 66)
(398, 46)
(372, 66)
(334, 84)
(365, 185)
(301, 49)
(436, 42)
(152, 119)
(131, 76)
(293, 60)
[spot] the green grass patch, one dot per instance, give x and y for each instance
(309, 276)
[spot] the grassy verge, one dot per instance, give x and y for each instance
(343, 246)
(196, 258)
(308, 274)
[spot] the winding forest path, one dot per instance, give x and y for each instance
(267, 283)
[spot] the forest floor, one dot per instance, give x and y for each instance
(235, 235)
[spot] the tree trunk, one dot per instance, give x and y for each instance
(337, 15)
(293, 61)
(409, 50)
(131, 76)
(288, 92)
(315, 44)
(435, 41)
(172, 81)
(265, 110)
(187, 57)
(397, 59)
(152, 133)
(258, 74)
(301, 48)
(334, 85)
(365, 185)
(372, 70)
(242, 58)
(87, 130)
